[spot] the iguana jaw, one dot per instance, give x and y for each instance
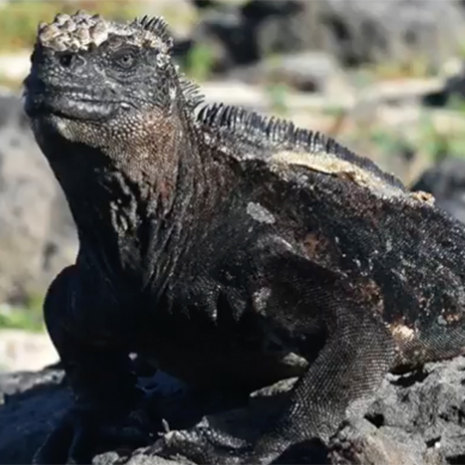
(70, 105)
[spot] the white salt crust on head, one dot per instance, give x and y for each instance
(82, 31)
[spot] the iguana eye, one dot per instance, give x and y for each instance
(125, 58)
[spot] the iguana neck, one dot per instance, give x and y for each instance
(130, 201)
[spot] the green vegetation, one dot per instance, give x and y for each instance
(456, 103)
(362, 78)
(199, 62)
(335, 111)
(389, 142)
(277, 94)
(432, 143)
(415, 67)
(437, 144)
(19, 18)
(27, 317)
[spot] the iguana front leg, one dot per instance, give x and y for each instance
(352, 363)
(101, 379)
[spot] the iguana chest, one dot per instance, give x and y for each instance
(248, 336)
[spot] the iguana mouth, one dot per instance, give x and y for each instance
(71, 105)
(70, 102)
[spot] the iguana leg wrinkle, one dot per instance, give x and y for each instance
(102, 382)
(351, 365)
(353, 362)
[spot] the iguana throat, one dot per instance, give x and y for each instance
(127, 198)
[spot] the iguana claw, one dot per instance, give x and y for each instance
(203, 444)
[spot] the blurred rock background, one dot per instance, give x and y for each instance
(384, 77)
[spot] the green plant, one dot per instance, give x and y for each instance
(456, 103)
(457, 146)
(414, 67)
(387, 141)
(431, 141)
(28, 316)
(199, 62)
(277, 94)
(361, 78)
(334, 110)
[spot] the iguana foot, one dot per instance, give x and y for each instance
(80, 436)
(203, 444)
(206, 445)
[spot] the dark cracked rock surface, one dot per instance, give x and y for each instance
(417, 418)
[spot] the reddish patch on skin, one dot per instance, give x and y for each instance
(368, 293)
(319, 249)
(452, 317)
(154, 158)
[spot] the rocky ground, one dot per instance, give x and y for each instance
(417, 418)
(22, 350)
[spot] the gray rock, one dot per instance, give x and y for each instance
(413, 418)
(309, 71)
(33, 402)
(396, 30)
(36, 234)
(235, 29)
(139, 458)
(355, 31)
(22, 350)
(22, 381)
(446, 181)
(361, 443)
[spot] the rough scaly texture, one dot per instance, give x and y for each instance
(230, 249)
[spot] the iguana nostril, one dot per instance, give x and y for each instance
(70, 60)
(66, 60)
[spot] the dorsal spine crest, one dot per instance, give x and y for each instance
(155, 25)
(266, 132)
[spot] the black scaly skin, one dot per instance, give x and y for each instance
(235, 250)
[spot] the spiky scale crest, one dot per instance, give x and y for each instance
(191, 91)
(275, 133)
(157, 26)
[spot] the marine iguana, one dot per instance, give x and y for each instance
(236, 250)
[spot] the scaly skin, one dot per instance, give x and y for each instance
(235, 250)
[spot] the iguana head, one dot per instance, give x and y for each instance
(90, 77)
